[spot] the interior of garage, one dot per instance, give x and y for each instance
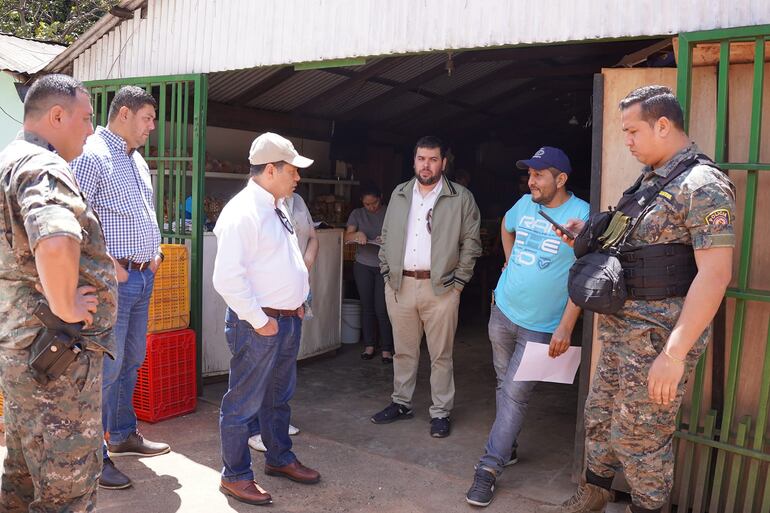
(359, 121)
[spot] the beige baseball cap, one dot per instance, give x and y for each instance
(270, 147)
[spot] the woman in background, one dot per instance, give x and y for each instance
(364, 228)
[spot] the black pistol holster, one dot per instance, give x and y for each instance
(56, 346)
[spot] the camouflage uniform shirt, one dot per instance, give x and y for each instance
(40, 198)
(698, 209)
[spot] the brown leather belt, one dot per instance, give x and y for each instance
(128, 264)
(418, 275)
(275, 312)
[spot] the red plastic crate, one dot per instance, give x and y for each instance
(166, 384)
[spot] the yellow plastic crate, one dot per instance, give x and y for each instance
(170, 300)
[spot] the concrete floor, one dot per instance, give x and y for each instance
(366, 467)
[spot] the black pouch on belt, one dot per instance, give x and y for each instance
(56, 346)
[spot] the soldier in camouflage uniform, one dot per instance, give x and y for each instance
(53, 249)
(649, 347)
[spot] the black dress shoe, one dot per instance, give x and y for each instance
(387, 360)
(367, 356)
(112, 478)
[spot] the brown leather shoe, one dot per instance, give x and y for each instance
(246, 491)
(137, 445)
(295, 471)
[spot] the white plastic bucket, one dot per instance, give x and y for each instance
(351, 321)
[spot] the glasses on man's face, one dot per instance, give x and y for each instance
(284, 220)
(428, 219)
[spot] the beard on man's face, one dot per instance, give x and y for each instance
(429, 180)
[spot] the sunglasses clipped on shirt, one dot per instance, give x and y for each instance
(428, 219)
(285, 220)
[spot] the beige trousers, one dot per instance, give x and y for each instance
(415, 310)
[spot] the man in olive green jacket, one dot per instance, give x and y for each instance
(430, 242)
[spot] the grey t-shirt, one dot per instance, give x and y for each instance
(371, 224)
(301, 220)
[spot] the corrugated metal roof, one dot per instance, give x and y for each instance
(296, 90)
(226, 86)
(25, 55)
(462, 75)
(221, 36)
(414, 66)
(393, 108)
(493, 88)
(345, 102)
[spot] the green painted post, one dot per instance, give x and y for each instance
(759, 432)
(723, 85)
(744, 426)
(200, 104)
(180, 166)
(702, 476)
(161, 164)
(684, 77)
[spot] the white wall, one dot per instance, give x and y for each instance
(11, 110)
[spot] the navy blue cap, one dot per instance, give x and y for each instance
(546, 157)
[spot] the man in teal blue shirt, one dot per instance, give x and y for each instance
(531, 303)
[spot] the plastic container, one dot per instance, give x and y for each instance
(351, 321)
(166, 384)
(170, 300)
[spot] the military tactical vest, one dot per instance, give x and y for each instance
(654, 271)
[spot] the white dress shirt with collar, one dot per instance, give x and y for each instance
(258, 262)
(417, 247)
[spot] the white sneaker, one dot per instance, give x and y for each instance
(255, 442)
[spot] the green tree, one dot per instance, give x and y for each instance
(61, 21)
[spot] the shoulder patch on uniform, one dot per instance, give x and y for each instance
(666, 195)
(720, 216)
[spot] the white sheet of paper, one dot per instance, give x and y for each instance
(536, 365)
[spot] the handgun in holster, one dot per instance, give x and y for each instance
(56, 346)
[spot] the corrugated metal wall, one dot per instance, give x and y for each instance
(200, 36)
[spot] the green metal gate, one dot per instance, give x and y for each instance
(176, 153)
(723, 460)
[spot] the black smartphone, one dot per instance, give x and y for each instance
(556, 225)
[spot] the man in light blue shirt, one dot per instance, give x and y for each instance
(531, 303)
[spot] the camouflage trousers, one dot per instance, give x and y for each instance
(624, 428)
(53, 435)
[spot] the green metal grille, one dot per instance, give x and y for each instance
(175, 153)
(723, 464)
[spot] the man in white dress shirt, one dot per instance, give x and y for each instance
(260, 273)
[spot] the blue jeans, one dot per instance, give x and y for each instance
(512, 397)
(263, 376)
(120, 374)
